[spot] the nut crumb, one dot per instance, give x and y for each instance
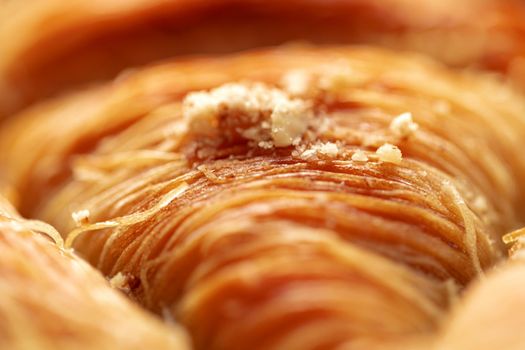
(253, 111)
(403, 125)
(119, 281)
(359, 156)
(389, 153)
(81, 217)
(324, 150)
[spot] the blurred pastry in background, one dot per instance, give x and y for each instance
(56, 45)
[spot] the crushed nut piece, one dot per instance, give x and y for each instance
(254, 111)
(324, 150)
(81, 217)
(403, 125)
(359, 156)
(119, 281)
(389, 153)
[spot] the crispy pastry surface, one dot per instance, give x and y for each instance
(182, 176)
(51, 299)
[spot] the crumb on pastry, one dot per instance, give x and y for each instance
(403, 125)
(324, 150)
(81, 217)
(119, 281)
(389, 153)
(251, 111)
(359, 156)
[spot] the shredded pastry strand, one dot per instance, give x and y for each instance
(51, 299)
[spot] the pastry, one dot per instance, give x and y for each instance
(291, 198)
(51, 299)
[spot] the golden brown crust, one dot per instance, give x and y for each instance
(242, 240)
(107, 110)
(84, 42)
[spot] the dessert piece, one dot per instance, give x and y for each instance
(296, 198)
